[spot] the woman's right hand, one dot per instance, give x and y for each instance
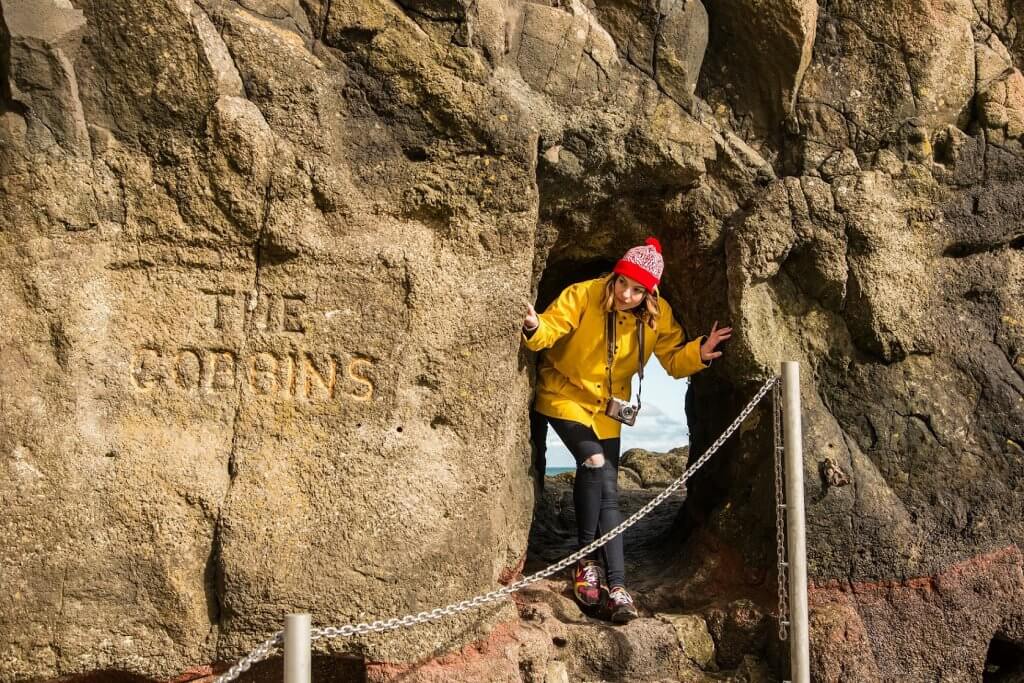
(531, 321)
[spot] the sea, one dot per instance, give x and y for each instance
(552, 471)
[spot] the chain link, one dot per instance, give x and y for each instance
(259, 653)
(264, 650)
(780, 512)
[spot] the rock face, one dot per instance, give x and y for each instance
(239, 379)
(263, 264)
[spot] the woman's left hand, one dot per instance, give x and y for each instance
(717, 336)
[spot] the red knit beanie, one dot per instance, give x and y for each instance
(644, 263)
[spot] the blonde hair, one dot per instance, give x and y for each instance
(649, 308)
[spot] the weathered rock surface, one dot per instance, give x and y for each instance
(262, 267)
(238, 379)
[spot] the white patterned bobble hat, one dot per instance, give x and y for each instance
(644, 263)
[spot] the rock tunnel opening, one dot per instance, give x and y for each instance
(642, 474)
(1004, 662)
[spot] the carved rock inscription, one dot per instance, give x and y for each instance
(295, 373)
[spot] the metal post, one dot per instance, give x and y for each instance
(297, 647)
(799, 638)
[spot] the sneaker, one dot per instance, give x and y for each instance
(586, 583)
(620, 605)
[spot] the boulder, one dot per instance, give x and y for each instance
(655, 470)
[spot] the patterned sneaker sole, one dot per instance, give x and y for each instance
(623, 617)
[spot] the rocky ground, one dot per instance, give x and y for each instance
(720, 640)
(554, 641)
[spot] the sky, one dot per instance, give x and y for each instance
(660, 426)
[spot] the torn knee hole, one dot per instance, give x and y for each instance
(596, 460)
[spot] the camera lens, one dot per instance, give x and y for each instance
(628, 411)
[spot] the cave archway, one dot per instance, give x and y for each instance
(553, 532)
(1004, 662)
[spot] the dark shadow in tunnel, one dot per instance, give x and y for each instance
(559, 275)
(1004, 662)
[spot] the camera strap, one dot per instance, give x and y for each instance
(610, 335)
(639, 358)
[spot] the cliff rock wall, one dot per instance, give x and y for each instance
(263, 265)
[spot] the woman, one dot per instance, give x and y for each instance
(573, 393)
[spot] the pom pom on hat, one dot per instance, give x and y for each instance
(643, 264)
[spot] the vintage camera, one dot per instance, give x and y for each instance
(621, 411)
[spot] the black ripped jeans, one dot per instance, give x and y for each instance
(596, 490)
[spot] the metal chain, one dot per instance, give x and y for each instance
(780, 513)
(261, 652)
(380, 626)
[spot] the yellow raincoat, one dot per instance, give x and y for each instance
(572, 377)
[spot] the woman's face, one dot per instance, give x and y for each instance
(628, 293)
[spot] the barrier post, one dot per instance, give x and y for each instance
(799, 637)
(297, 648)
